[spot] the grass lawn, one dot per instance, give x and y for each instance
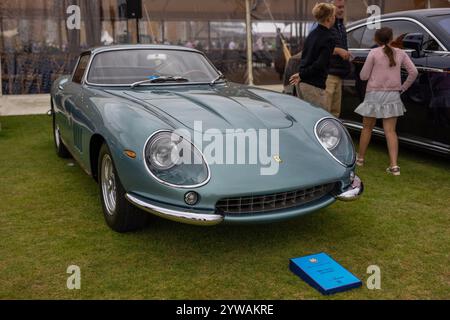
(50, 218)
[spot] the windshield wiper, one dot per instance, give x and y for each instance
(219, 77)
(160, 80)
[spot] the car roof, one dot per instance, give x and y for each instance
(139, 46)
(417, 14)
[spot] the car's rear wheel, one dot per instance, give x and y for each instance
(120, 215)
(60, 148)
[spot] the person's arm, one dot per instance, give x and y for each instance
(344, 54)
(412, 72)
(339, 50)
(339, 46)
(368, 67)
(319, 64)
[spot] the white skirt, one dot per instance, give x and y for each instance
(382, 105)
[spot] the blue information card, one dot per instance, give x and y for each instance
(323, 273)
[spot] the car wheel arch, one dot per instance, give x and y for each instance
(96, 142)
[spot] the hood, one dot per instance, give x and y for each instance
(219, 107)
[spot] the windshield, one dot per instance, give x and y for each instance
(125, 67)
(443, 21)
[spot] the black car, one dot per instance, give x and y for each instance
(425, 35)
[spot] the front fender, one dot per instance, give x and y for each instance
(123, 126)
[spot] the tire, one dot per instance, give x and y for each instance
(120, 215)
(60, 148)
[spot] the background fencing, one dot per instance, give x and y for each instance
(36, 46)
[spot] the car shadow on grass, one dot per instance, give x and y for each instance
(322, 227)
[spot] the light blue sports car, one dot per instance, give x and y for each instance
(132, 116)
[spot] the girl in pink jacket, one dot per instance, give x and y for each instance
(382, 101)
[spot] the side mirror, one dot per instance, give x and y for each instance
(415, 42)
(62, 83)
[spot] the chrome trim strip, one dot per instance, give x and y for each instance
(404, 19)
(367, 49)
(170, 184)
(353, 192)
(348, 136)
(408, 140)
(200, 219)
(430, 69)
(437, 52)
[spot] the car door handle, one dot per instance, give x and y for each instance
(427, 69)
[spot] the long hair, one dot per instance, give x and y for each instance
(384, 36)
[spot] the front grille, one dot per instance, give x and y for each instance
(272, 202)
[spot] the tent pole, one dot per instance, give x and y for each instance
(1, 81)
(248, 23)
(2, 48)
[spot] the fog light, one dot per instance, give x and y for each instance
(191, 198)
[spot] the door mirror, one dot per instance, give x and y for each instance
(414, 41)
(62, 82)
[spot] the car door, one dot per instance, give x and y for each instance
(415, 124)
(438, 69)
(437, 130)
(353, 89)
(73, 99)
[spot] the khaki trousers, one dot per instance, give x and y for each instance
(334, 95)
(313, 95)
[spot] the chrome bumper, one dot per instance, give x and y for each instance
(194, 218)
(353, 192)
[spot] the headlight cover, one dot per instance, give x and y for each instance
(174, 161)
(336, 140)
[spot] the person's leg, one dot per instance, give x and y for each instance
(298, 91)
(334, 95)
(389, 126)
(301, 91)
(321, 98)
(337, 99)
(330, 91)
(313, 95)
(366, 135)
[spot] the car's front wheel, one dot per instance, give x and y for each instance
(120, 215)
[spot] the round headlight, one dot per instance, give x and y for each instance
(163, 152)
(175, 161)
(336, 140)
(329, 134)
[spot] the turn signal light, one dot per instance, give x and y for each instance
(130, 154)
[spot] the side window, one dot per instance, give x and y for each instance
(354, 38)
(367, 41)
(400, 29)
(81, 68)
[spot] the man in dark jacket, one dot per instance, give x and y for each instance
(317, 51)
(340, 61)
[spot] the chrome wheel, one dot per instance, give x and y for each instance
(120, 215)
(108, 181)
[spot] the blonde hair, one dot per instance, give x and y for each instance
(323, 11)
